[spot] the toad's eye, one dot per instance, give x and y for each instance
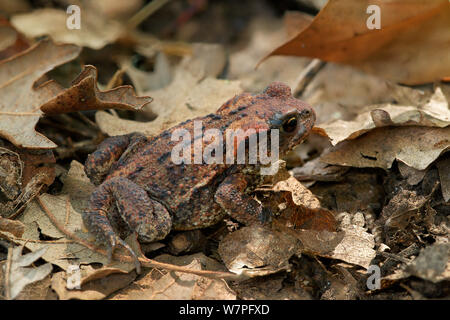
(289, 125)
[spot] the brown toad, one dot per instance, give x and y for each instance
(141, 188)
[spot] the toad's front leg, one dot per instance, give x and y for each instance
(148, 218)
(231, 196)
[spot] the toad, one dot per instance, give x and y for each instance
(141, 189)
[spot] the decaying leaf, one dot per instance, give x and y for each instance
(432, 264)
(299, 208)
(257, 251)
(339, 33)
(300, 195)
(20, 274)
(417, 147)
(352, 245)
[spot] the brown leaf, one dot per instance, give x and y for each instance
(16, 228)
(302, 208)
(11, 41)
(339, 34)
(85, 95)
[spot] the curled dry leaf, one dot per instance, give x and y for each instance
(417, 147)
(434, 113)
(20, 274)
(96, 31)
(339, 33)
(85, 95)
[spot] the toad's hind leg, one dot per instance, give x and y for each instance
(147, 217)
(108, 152)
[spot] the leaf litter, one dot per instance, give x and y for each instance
(370, 186)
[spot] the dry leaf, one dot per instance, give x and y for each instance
(352, 245)
(434, 113)
(300, 195)
(174, 107)
(20, 112)
(181, 286)
(257, 251)
(11, 41)
(339, 33)
(14, 227)
(85, 95)
(95, 32)
(98, 284)
(432, 264)
(263, 33)
(193, 92)
(20, 274)
(412, 176)
(417, 147)
(66, 208)
(23, 175)
(19, 108)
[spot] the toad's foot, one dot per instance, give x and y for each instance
(148, 218)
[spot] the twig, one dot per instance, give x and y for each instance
(149, 263)
(7, 273)
(145, 12)
(306, 76)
